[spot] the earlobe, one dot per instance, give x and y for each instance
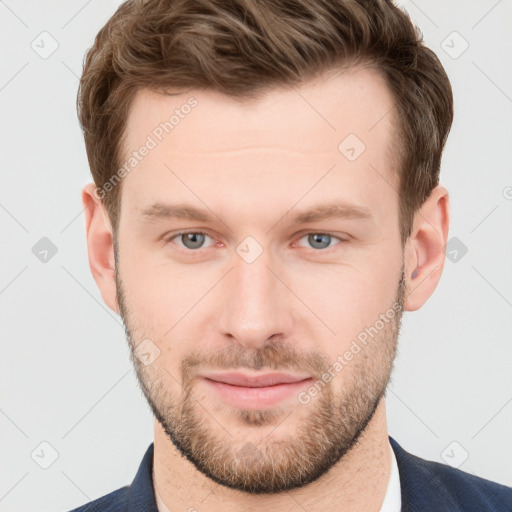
(425, 249)
(100, 246)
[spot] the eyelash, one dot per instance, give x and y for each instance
(332, 235)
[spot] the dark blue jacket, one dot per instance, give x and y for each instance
(426, 487)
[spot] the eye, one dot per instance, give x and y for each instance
(320, 240)
(194, 240)
(191, 240)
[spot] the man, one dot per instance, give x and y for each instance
(266, 204)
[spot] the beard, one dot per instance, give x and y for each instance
(329, 426)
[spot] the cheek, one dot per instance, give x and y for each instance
(166, 305)
(347, 298)
(160, 294)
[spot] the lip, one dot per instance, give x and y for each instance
(255, 391)
(255, 380)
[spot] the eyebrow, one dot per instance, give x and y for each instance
(326, 211)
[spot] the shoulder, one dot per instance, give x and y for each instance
(471, 490)
(426, 482)
(116, 501)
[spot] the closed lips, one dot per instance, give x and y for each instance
(256, 381)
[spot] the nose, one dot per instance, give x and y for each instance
(255, 305)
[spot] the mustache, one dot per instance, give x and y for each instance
(274, 355)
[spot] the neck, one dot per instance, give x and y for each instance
(359, 480)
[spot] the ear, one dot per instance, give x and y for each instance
(425, 249)
(100, 245)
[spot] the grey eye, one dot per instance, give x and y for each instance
(320, 240)
(192, 240)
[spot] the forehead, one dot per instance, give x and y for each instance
(343, 120)
(356, 100)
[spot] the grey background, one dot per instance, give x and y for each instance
(65, 374)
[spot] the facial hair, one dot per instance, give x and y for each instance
(332, 427)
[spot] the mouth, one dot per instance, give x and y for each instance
(255, 391)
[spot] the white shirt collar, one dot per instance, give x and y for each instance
(393, 499)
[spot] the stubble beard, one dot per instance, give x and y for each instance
(275, 463)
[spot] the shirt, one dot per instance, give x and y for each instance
(393, 499)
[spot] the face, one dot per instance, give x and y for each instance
(258, 261)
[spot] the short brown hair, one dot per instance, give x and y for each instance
(243, 48)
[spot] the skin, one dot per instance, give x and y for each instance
(255, 164)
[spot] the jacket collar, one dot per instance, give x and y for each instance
(141, 494)
(420, 487)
